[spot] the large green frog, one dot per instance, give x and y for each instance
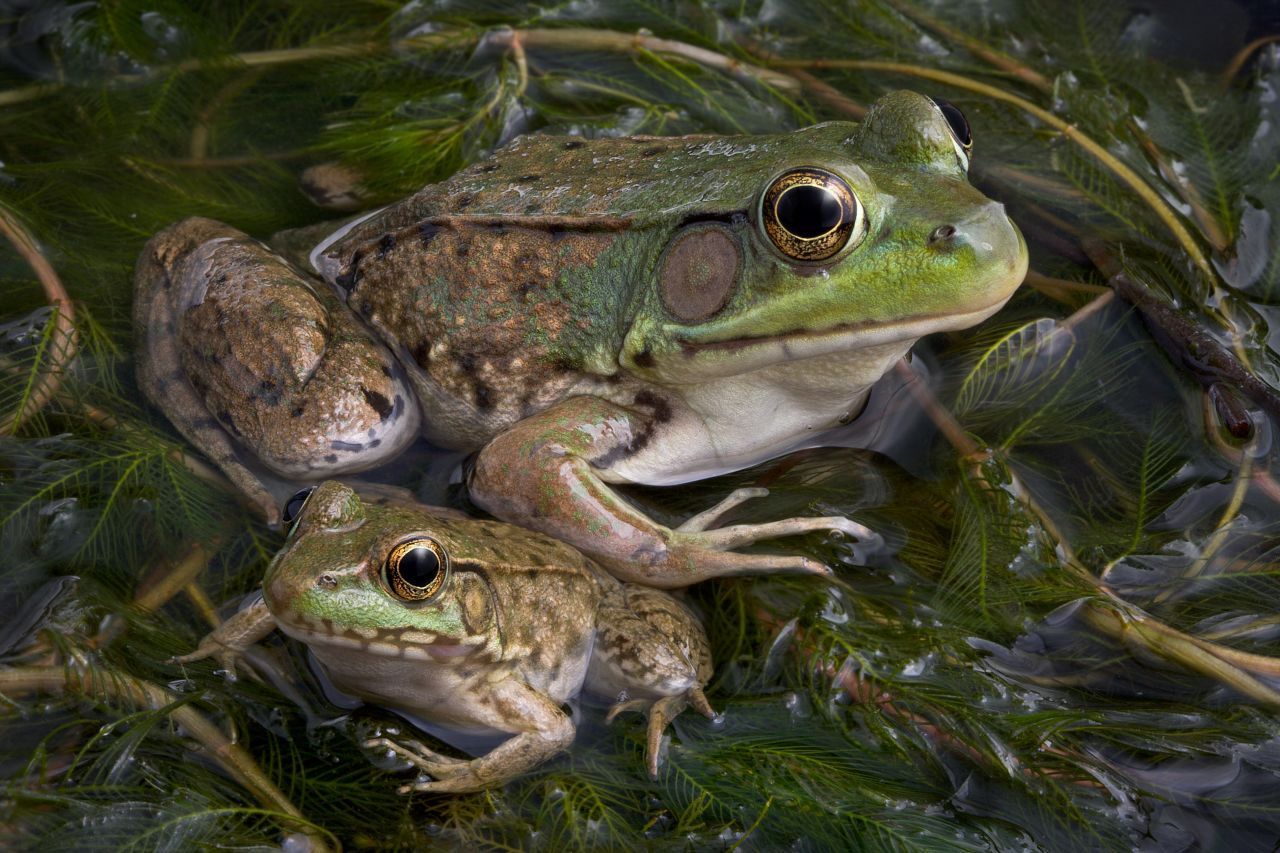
(478, 627)
(587, 313)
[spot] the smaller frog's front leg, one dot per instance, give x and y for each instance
(541, 729)
(230, 640)
(549, 472)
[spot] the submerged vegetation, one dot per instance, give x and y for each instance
(1071, 638)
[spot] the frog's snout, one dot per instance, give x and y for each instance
(987, 231)
(989, 234)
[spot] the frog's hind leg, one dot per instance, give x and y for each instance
(651, 655)
(260, 366)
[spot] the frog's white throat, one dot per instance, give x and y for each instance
(730, 423)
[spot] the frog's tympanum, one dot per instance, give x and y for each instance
(477, 626)
(587, 313)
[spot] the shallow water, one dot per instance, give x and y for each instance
(1065, 636)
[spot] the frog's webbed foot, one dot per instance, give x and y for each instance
(745, 534)
(229, 641)
(661, 712)
(425, 759)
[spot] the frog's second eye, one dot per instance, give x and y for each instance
(961, 134)
(293, 506)
(810, 214)
(415, 570)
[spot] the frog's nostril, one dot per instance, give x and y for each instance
(942, 234)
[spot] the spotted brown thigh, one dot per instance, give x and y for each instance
(238, 341)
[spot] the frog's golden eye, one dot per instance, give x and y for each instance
(416, 569)
(961, 134)
(293, 506)
(811, 214)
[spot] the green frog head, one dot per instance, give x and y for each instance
(841, 238)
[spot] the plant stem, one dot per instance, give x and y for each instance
(95, 684)
(1068, 131)
(61, 343)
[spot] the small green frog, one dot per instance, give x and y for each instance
(476, 626)
(586, 313)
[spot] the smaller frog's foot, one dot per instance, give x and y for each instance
(661, 713)
(427, 760)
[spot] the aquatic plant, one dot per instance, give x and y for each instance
(1072, 637)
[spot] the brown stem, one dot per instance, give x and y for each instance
(978, 48)
(62, 342)
(1068, 131)
(1238, 61)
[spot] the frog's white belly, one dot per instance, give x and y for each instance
(733, 423)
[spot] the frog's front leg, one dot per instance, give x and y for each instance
(541, 729)
(229, 641)
(549, 472)
(259, 365)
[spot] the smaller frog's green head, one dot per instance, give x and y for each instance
(838, 238)
(377, 578)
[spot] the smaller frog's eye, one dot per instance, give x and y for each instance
(416, 569)
(293, 506)
(961, 135)
(810, 214)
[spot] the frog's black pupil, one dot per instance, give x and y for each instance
(808, 211)
(293, 506)
(955, 118)
(419, 566)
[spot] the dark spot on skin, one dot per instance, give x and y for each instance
(331, 458)
(375, 442)
(652, 152)
(497, 228)
(427, 232)
(378, 402)
(489, 167)
(386, 244)
(885, 233)
(529, 179)
(397, 407)
(660, 409)
(484, 397)
(645, 358)
(371, 433)
(349, 279)
(574, 144)
(298, 410)
(557, 234)
(347, 446)
(422, 355)
(463, 202)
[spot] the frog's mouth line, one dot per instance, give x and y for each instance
(409, 645)
(850, 337)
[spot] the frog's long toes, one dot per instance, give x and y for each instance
(623, 707)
